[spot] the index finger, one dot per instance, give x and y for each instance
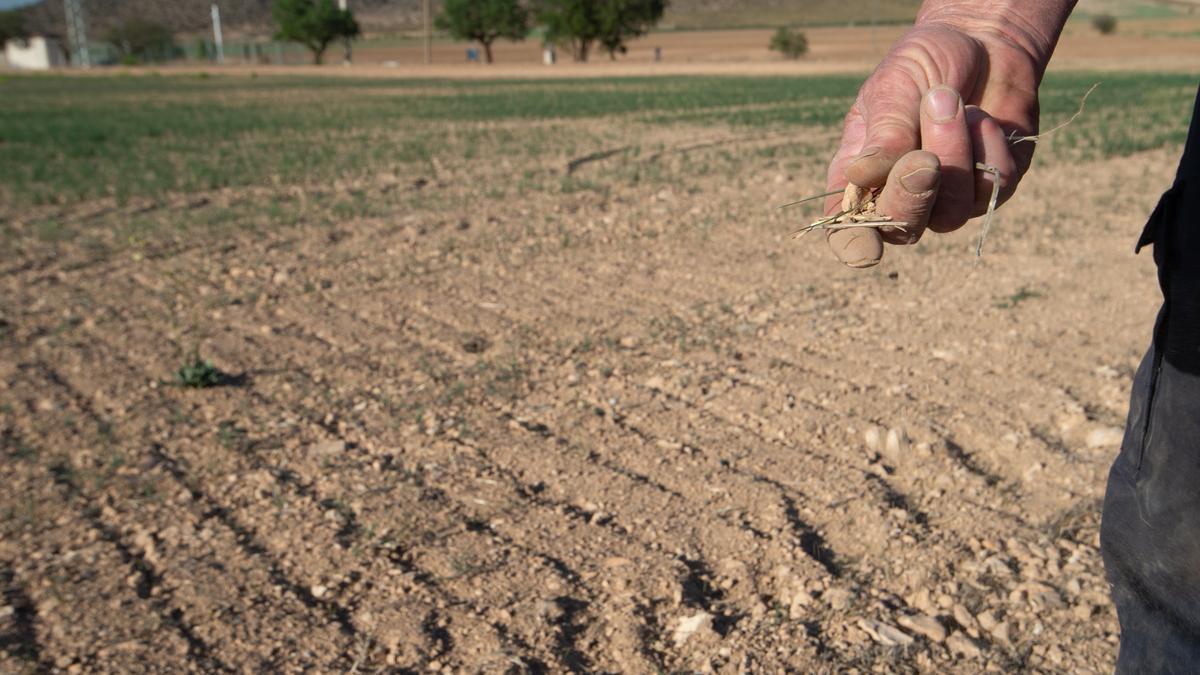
(858, 246)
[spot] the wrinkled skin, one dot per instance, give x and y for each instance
(944, 98)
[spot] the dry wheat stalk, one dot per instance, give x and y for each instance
(858, 203)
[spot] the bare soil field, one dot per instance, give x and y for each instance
(571, 403)
(1146, 44)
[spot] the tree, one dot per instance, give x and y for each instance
(582, 23)
(1105, 23)
(137, 40)
(484, 21)
(12, 26)
(313, 23)
(791, 43)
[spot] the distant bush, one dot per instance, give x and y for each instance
(1105, 23)
(139, 40)
(791, 43)
(12, 26)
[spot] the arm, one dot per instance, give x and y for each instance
(947, 95)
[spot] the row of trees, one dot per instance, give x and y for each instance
(579, 25)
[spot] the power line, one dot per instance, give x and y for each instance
(77, 33)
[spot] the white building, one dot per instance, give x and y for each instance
(36, 53)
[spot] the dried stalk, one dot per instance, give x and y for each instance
(858, 204)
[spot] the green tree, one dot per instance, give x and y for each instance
(137, 40)
(484, 21)
(1105, 23)
(12, 26)
(580, 24)
(313, 23)
(791, 43)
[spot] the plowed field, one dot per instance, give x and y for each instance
(530, 377)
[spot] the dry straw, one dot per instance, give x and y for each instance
(858, 204)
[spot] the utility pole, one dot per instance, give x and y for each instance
(346, 56)
(217, 39)
(77, 33)
(428, 32)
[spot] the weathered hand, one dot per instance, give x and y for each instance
(947, 96)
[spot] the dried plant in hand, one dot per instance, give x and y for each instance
(858, 210)
(858, 203)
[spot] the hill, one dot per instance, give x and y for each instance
(254, 16)
(385, 16)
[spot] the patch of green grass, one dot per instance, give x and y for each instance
(1017, 298)
(198, 373)
(68, 139)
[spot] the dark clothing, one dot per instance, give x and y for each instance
(1150, 533)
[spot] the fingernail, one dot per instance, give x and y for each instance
(943, 103)
(867, 152)
(920, 181)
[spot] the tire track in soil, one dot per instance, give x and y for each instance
(891, 495)
(144, 580)
(238, 550)
(680, 286)
(810, 542)
(19, 640)
(538, 429)
(246, 539)
(321, 502)
(888, 494)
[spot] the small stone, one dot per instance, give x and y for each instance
(1082, 612)
(655, 382)
(549, 610)
(629, 342)
(964, 619)
(1000, 632)
(925, 625)
(319, 591)
(987, 619)
(884, 633)
(697, 625)
(923, 601)
(874, 438)
(1105, 437)
(963, 645)
(327, 448)
(838, 598)
(896, 444)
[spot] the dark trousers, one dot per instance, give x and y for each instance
(1150, 532)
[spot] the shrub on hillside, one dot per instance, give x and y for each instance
(139, 40)
(791, 43)
(1105, 23)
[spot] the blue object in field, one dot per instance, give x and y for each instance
(472, 55)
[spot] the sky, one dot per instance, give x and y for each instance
(9, 4)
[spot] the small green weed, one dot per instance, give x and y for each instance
(198, 373)
(1017, 298)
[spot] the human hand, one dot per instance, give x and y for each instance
(948, 95)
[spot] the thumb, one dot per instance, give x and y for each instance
(892, 114)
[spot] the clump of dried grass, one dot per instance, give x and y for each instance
(858, 208)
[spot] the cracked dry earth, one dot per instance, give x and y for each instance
(633, 429)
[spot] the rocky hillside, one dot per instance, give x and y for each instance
(253, 16)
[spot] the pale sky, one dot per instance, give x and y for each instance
(9, 4)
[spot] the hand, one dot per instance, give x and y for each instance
(944, 98)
